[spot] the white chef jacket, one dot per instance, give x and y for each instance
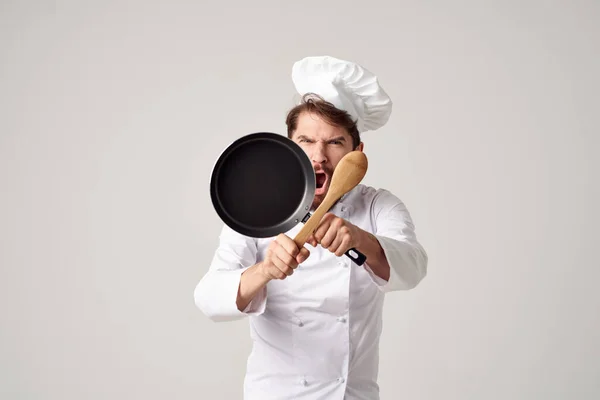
(316, 333)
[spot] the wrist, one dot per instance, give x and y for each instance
(260, 274)
(362, 238)
(369, 245)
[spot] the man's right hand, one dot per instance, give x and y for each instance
(282, 258)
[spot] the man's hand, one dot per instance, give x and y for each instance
(336, 235)
(282, 258)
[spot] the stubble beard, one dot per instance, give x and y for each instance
(316, 203)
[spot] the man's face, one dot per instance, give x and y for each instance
(325, 145)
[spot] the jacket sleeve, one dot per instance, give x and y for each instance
(216, 293)
(395, 231)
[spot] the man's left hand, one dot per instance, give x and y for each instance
(336, 235)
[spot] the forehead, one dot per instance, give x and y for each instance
(315, 127)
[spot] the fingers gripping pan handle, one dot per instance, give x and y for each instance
(353, 254)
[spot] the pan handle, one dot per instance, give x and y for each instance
(356, 256)
(353, 254)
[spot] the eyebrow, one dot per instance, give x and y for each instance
(339, 138)
(302, 137)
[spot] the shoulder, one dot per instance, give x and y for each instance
(371, 197)
(383, 207)
(229, 236)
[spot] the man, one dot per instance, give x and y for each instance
(315, 316)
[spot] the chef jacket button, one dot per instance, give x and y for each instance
(343, 209)
(303, 382)
(300, 323)
(342, 319)
(341, 380)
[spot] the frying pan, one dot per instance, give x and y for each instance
(263, 184)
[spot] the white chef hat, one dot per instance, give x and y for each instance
(346, 85)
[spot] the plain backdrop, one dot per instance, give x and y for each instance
(112, 114)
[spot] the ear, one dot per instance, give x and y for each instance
(361, 146)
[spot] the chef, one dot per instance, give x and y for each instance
(315, 316)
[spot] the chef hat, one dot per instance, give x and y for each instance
(346, 85)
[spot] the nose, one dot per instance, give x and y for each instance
(318, 154)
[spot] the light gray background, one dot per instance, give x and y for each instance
(113, 112)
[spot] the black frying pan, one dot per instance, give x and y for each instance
(263, 184)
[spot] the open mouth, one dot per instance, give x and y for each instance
(321, 182)
(321, 178)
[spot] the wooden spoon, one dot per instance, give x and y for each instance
(349, 172)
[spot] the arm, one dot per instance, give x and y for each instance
(236, 284)
(403, 263)
(369, 245)
(252, 283)
(216, 295)
(395, 259)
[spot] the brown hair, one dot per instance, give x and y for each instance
(314, 103)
